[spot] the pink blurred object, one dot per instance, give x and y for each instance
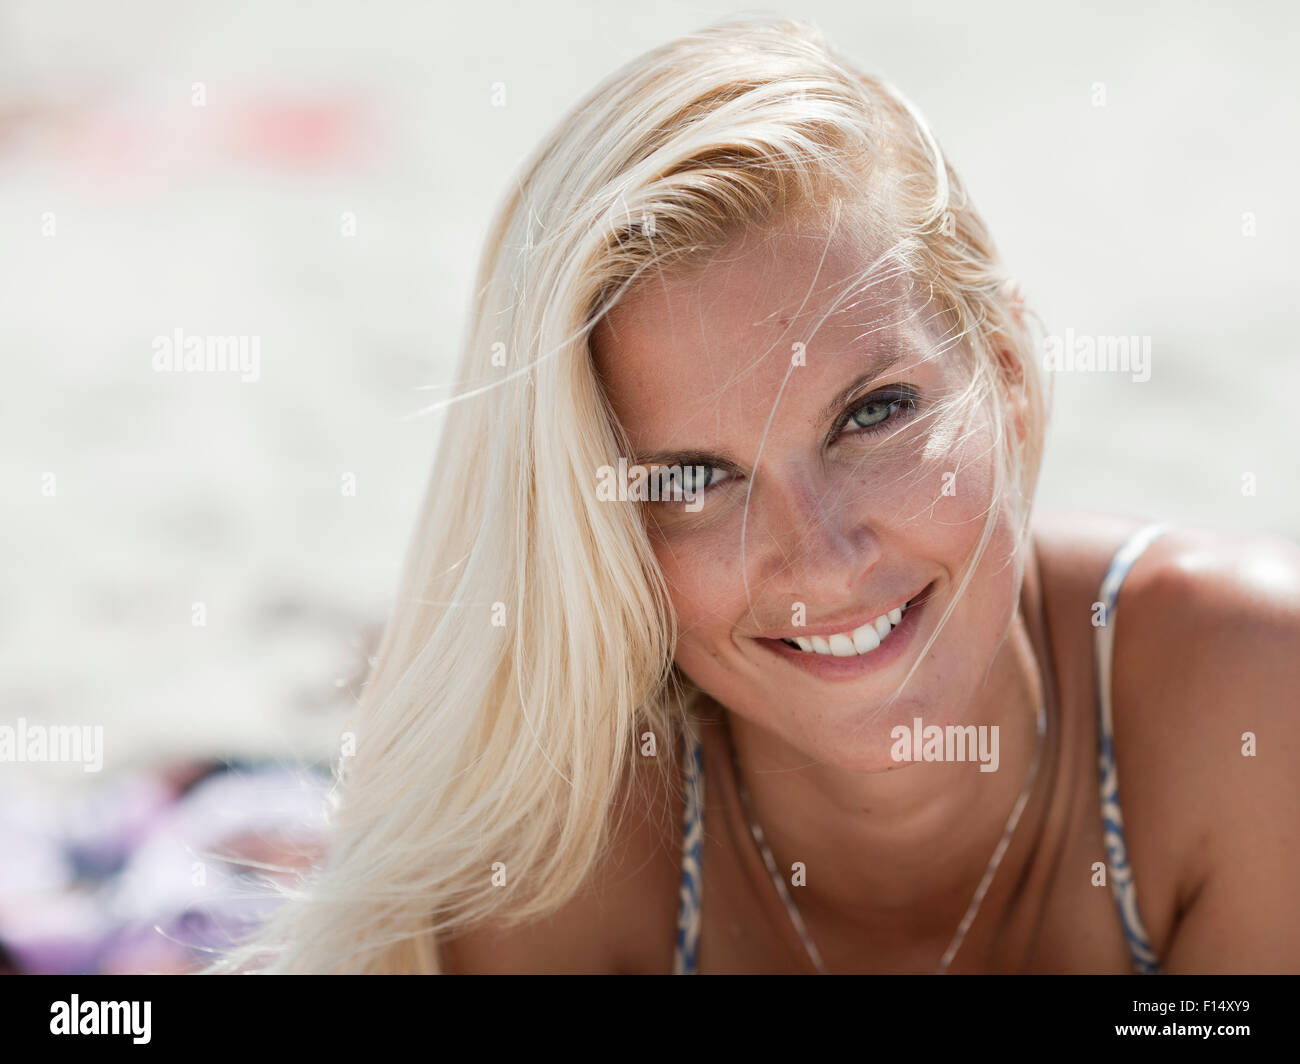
(142, 874)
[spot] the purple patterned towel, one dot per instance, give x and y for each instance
(132, 875)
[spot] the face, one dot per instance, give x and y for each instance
(840, 506)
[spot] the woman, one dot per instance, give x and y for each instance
(730, 642)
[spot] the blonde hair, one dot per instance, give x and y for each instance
(480, 742)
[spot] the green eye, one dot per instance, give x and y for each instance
(872, 413)
(879, 411)
(692, 479)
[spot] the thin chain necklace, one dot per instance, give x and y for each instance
(980, 891)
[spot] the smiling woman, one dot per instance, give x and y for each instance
(744, 258)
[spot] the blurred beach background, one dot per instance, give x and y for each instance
(322, 176)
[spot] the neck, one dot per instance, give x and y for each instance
(894, 858)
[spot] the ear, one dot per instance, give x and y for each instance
(1013, 294)
(1018, 400)
(1012, 372)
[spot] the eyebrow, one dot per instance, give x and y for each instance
(878, 367)
(716, 459)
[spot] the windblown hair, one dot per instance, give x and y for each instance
(532, 641)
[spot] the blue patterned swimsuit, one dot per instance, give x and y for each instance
(1118, 870)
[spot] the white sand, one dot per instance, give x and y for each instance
(1122, 219)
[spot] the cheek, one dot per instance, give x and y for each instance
(964, 485)
(705, 582)
(978, 624)
(955, 484)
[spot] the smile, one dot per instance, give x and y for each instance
(853, 652)
(859, 641)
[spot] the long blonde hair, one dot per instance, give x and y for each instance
(531, 644)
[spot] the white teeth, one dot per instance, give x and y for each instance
(865, 638)
(842, 646)
(860, 641)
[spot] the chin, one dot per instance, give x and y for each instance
(858, 738)
(865, 739)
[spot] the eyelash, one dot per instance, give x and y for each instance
(898, 398)
(893, 400)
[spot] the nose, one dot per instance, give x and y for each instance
(811, 537)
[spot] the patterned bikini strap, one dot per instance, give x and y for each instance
(1121, 874)
(689, 898)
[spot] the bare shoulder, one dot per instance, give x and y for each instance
(1206, 693)
(1207, 647)
(1255, 571)
(1188, 576)
(1213, 655)
(621, 921)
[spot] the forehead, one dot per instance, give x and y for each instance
(681, 351)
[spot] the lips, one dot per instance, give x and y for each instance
(871, 644)
(861, 640)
